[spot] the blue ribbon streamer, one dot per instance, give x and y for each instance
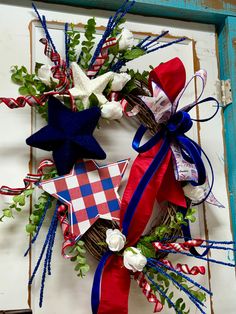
(95, 297)
(179, 123)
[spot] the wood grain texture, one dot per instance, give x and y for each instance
(227, 52)
(207, 11)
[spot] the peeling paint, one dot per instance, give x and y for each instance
(218, 4)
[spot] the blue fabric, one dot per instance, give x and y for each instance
(95, 297)
(69, 135)
(157, 161)
(179, 123)
(174, 131)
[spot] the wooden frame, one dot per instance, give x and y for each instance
(222, 13)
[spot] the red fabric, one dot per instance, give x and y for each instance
(115, 287)
(115, 282)
(162, 186)
(170, 76)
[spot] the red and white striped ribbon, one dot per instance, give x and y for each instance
(69, 238)
(30, 178)
(22, 101)
(59, 72)
(184, 268)
(178, 247)
(147, 291)
(93, 70)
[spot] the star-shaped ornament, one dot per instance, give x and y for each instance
(69, 135)
(90, 192)
(85, 87)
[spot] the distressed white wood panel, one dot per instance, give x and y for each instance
(122, 132)
(74, 293)
(15, 125)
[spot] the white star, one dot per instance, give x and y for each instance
(84, 87)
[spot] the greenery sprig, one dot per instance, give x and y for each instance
(145, 245)
(79, 257)
(88, 43)
(73, 42)
(30, 84)
(18, 202)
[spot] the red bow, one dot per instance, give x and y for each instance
(115, 282)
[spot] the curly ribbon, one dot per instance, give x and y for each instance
(185, 269)
(103, 55)
(30, 178)
(69, 238)
(147, 291)
(59, 72)
(178, 247)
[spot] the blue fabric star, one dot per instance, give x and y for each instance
(69, 135)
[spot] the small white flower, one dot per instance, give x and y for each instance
(112, 110)
(119, 81)
(45, 75)
(115, 240)
(134, 259)
(126, 39)
(195, 193)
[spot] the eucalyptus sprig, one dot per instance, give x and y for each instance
(18, 202)
(79, 257)
(167, 230)
(166, 285)
(88, 43)
(43, 200)
(38, 210)
(73, 42)
(30, 84)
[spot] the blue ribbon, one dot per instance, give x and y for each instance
(174, 130)
(95, 296)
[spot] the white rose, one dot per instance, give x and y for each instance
(119, 81)
(134, 259)
(115, 240)
(45, 75)
(126, 39)
(112, 110)
(195, 193)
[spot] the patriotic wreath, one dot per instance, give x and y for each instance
(72, 95)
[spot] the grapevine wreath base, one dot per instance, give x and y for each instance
(72, 95)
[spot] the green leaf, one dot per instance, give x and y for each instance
(37, 67)
(178, 303)
(129, 87)
(84, 269)
(80, 260)
(80, 250)
(133, 53)
(30, 228)
(147, 250)
(80, 243)
(93, 101)
(19, 209)
(19, 199)
(179, 217)
(28, 192)
(23, 90)
(7, 213)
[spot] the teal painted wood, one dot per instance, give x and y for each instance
(206, 11)
(227, 51)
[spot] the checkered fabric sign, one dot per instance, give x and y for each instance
(90, 192)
